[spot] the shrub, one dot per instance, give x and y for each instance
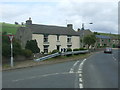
(69, 50)
(76, 49)
(54, 51)
(26, 52)
(82, 49)
(33, 46)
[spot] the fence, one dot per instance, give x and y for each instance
(62, 54)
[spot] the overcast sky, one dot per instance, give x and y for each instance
(103, 14)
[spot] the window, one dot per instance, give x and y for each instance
(45, 38)
(69, 46)
(46, 49)
(68, 38)
(58, 37)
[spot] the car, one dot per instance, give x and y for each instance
(108, 50)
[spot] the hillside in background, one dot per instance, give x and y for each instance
(12, 28)
(9, 28)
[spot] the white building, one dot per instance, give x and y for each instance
(49, 37)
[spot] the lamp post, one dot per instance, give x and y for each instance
(83, 33)
(11, 39)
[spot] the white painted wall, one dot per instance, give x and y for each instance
(39, 39)
(75, 42)
(52, 39)
(52, 42)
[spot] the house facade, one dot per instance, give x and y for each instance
(103, 41)
(49, 37)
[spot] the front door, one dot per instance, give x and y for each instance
(58, 48)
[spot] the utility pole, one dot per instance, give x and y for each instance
(11, 39)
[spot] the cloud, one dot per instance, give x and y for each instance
(102, 14)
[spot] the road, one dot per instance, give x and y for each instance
(97, 71)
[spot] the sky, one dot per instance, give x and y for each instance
(102, 13)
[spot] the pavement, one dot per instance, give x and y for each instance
(97, 71)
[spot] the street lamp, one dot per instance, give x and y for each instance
(11, 39)
(83, 32)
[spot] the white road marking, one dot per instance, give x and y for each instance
(80, 80)
(80, 75)
(114, 58)
(72, 69)
(75, 63)
(39, 76)
(80, 85)
(79, 71)
(71, 72)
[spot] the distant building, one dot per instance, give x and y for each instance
(49, 37)
(103, 41)
(83, 33)
(115, 41)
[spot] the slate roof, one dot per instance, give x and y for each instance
(103, 37)
(53, 30)
(86, 32)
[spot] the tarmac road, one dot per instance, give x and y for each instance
(97, 71)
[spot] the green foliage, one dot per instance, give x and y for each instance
(32, 45)
(27, 53)
(5, 50)
(9, 28)
(90, 40)
(69, 50)
(6, 46)
(82, 49)
(76, 49)
(54, 51)
(17, 50)
(96, 33)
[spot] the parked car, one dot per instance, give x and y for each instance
(108, 50)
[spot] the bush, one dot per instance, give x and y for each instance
(27, 53)
(76, 49)
(82, 49)
(54, 51)
(33, 46)
(69, 50)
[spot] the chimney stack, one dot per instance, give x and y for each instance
(29, 22)
(70, 26)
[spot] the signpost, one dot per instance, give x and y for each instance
(11, 39)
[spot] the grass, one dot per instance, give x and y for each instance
(59, 59)
(9, 28)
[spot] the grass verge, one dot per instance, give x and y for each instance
(31, 63)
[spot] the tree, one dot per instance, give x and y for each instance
(6, 46)
(89, 40)
(32, 45)
(16, 23)
(96, 33)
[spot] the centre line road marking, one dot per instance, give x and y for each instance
(81, 85)
(80, 73)
(72, 69)
(80, 80)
